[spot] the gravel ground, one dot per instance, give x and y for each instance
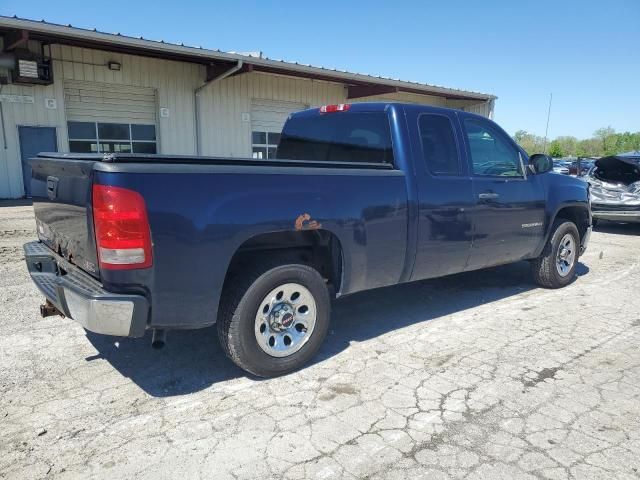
(479, 375)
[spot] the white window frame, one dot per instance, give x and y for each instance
(99, 140)
(266, 145)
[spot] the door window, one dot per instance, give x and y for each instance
(439, 145)
(491, 151)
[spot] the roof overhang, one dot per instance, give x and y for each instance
(17, 30)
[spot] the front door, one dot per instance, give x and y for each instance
(34, 140)
(445, 195)
(509, 212)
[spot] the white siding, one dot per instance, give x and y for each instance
(484, 108)
(270, 115)
(405, 98)
(95, 102)
(224, 102)
(173, 81)
(224, 128)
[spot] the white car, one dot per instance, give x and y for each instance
(560, 169)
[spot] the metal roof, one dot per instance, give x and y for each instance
(67, 34)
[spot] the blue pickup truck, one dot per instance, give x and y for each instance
(360, 196)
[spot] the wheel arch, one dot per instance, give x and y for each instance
(576, 212)
(318, 248)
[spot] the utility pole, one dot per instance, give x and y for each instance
(546, 130)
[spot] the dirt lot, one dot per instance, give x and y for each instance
(479, 375)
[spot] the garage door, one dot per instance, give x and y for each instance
(110, 118)
(267, 120)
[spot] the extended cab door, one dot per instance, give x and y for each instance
(509, 205)
(444, 193)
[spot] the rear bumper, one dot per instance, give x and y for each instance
(82, 298)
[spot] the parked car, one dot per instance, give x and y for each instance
(361, 196)
(580, 167)
(560, 167)
(615, 189)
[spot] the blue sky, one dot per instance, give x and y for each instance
(586, 52)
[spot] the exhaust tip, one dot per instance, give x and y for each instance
(158, 338)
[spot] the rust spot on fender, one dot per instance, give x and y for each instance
(304, 222)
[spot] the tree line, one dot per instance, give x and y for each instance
(605, 141)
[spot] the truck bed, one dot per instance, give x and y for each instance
(201, 160)
(203, 209)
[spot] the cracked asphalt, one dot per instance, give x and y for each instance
(479, 375)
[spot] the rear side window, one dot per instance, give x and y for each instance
(338, 137)
(439, 145)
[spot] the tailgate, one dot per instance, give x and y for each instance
(64, 218)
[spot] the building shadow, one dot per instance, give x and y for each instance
(193, 360)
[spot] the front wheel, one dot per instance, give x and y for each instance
(274, 320)
(556, 267)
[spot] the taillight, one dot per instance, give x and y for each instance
(120, 218)
(341, 107)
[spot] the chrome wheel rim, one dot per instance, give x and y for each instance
(566, 255)
(285, 320)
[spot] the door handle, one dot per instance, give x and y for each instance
(488, 195)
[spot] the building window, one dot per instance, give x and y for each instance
(93, 137)
(264, 144)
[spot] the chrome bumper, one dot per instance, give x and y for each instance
(82, 298)
(617, 216)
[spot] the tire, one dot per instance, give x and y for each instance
(241, 320)
(545, 269)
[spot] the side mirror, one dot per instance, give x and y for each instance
(540, 163)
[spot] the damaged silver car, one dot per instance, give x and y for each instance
(615, 189)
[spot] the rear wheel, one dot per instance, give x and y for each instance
(556, 267)
(274, 320)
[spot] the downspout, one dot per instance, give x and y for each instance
(492, 106)
(196, 96)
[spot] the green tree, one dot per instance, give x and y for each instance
(530, 142)
(605, 141)
(606, 135)
(569, 145)
(591, 147)
(555, 150)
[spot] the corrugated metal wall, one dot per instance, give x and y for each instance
(173, 83)
(225, 132)
(225, 107)
(406, 98)
(270, 115)
(106, 102)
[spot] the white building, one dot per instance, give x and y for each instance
(70, 89)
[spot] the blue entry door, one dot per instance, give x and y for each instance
(34, 140)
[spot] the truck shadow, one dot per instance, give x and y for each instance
(618, 228)
(19, 202)
(192, 360)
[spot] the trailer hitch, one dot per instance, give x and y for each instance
(48, 309)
